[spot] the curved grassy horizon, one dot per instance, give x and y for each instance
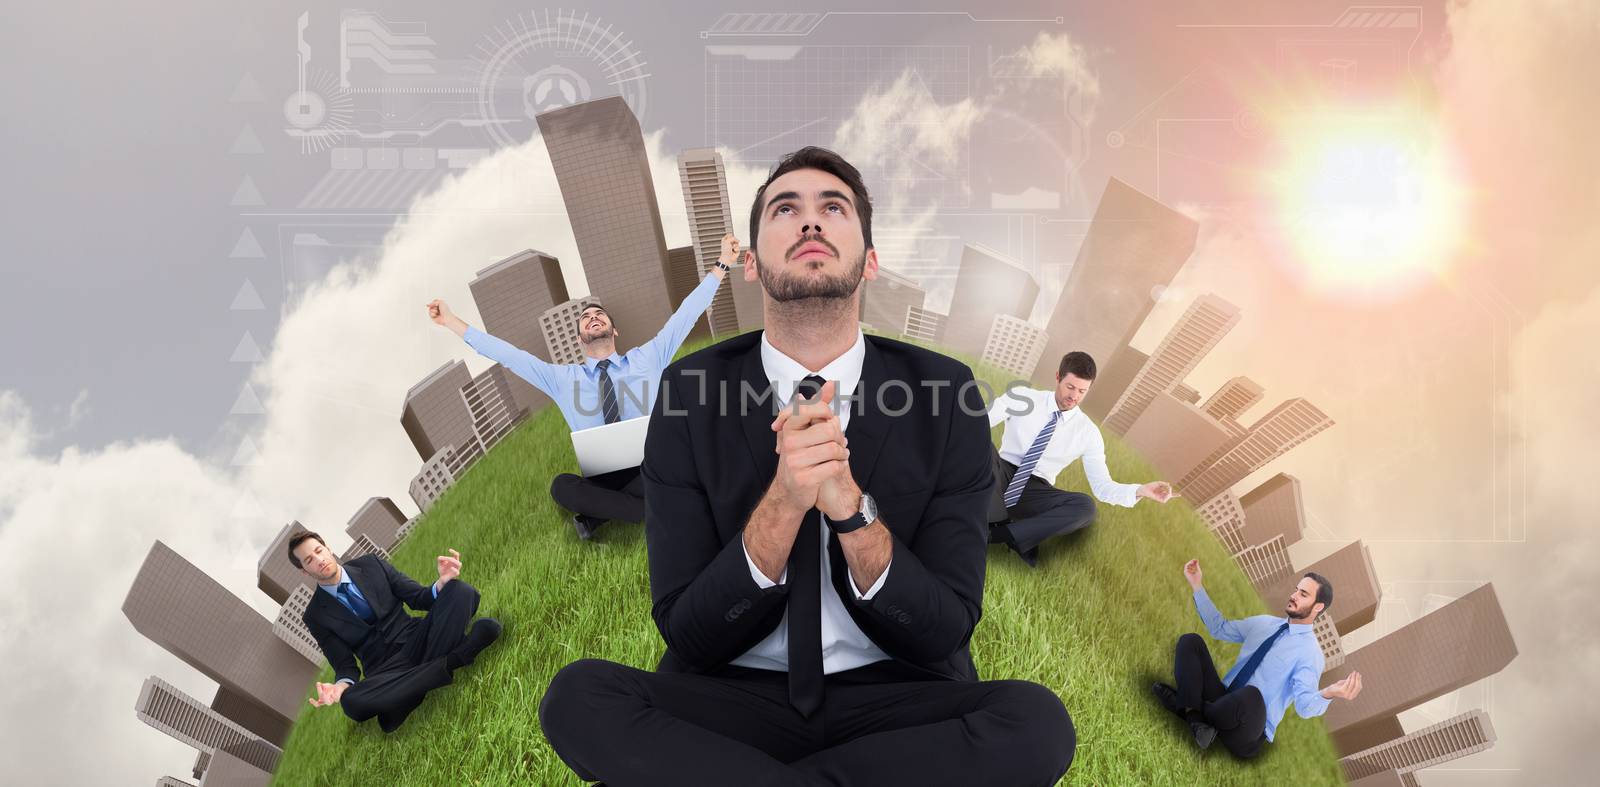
(1096, 622)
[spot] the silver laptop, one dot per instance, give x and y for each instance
(602, 449)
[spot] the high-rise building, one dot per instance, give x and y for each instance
(1460, 643)
(1233, 398)
(560, 326)
(705, 199)
(1111, 379)
(988, 283)
(884, 301)
(1173, 435)
(1267, 565)
(1329, 640)
(511, 294)
(598, 153)
(172, 781)
(1385, 779)
(162, 706)
(1222, 509)
(245, 712)
(923, 324)
(683, 275)
(291, 627)
(1356, 592)
(1288, 425)
(1451, 739)
(227, 770)
(177, 606)
(1135, 247)
(362, 547)
(1274, 509)
(379, 519)
(1014, 345)
(275, 575)
(488, 400)
(434, 414)
(1185, 392)
(437, 474)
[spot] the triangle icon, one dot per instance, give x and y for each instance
(247, 351)
(247, 193)
(247, 299)
(247, 454)
(247, 143)
(247, 248)
(247, 403)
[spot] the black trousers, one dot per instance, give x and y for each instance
(615, 495)
(878, 725)
(395, 686)
(1240, 716)
(1042, 511)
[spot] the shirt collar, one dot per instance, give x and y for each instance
(785, 373)
(344, 579)
(589, 364)
(1047, 399)
(1297, 628)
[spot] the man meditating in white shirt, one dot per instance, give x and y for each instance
(1045, 432)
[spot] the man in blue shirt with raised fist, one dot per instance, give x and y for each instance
(1280, 663)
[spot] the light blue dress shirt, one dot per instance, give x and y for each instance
(575, 388)
(344, 579)
(1290, 670)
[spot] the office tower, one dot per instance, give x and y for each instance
(923, 324)
(290, 626)
(164, 707)
(227, 770)
(1355, 584)
(705, 199)
(245, 712)
(437, 474)
(405, 530)
(362, 547)
(598, 153)
(1234, 397)
(1111, 379)
(748, 299)
(489, 403)
(1385, 779)
(1463, 642)
(1221, 509)
(1014, 345)
(559, 323)
(1288, 425)
(177, 606)
(1274, 509)
(1451, 739)
(511, 294)
(1173, 435)
(434, 414)
(1329, 640)
(1185, 392)
(1135, 247)
(1267, 565)
(172, 781)
(683, 275)
(986, 285)
(275, 575)
(1202, 325)
(379, 519)
(885, 299)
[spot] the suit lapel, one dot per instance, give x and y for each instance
(755, 417)
(328, 605)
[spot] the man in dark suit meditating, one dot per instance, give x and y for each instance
(356, 613)
(815, 518)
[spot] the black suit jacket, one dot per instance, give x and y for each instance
(928, 468)
(344, 636)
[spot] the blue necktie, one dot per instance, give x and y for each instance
(608, 394)
(1029, 460)
(356, 603)
(1255, 659)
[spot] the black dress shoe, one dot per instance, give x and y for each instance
(1168, 697)
(1204, 733)
(1031, 557)
(483, 633)
(586, 525)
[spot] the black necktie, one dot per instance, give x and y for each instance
(805, 600)
(1260, 653)
(608, 394)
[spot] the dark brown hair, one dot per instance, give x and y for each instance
(1078, 363)
(294, 541)
(812, 157)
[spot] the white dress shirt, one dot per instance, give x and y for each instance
(1026, 411)
(844, 645)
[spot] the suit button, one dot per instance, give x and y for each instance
(736, 610)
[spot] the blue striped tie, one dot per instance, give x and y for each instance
(608, 394)
(1029, 460)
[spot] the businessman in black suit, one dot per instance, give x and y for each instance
(814, 514)
(356, 613)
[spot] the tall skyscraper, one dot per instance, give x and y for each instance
(705, 199)
(362, 547)
(1451, 739)
(180, 608)
(1234, 397)
(1267, 565)
(275, 575)
(434, 414)
(923, 324)
(1111, 379)
(1288, 425)
(1329, 640)
(226, 770)
(172, 781)
(598, 153)
(1202, 325)
(1223, 515)
(437, 474)
(683, 275)
(1356, 592)
(378, 519)
(1460, 643)
(511, 294)
(1014, 345)
(489, 403)
(162, 706)
(1173, 435)
(1185, 393)
(1135, 246)
(1385, 779)
(987, 284)
(291, 627)
(1274, 509)
(559, 324)
(884, 301)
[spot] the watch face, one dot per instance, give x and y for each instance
(869, 507)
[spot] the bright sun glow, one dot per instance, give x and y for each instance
(1368, 207)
